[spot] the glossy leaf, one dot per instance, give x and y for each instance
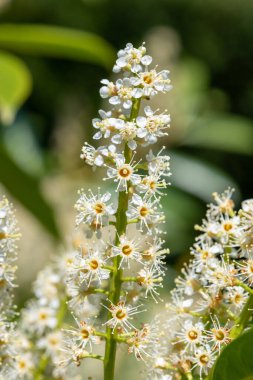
(15, 86)
(182, 211)
(197, 177)
(236, 360)
(222, 132)
(26, 190)
(56, 42)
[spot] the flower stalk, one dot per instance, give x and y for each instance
(116, 275)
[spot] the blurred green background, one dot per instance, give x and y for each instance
(53, 53)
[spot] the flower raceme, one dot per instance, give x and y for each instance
(211, 301)
(103, 272)
(105, 280)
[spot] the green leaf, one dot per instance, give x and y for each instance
(56, 42)
(197, 177)
(26, 189)
(236, 360)
(222, 132)
(182, 211)
(15, 86)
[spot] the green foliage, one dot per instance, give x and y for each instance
(15, 86)
(223, 132)
(236, 360)
(52, 41)
(198, 177)
(26, 189)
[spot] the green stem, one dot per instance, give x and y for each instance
(116, 274)
(244, 286)
(129, 279)
(91, 356)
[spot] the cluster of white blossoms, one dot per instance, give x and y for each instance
(105, 279)
(115, 271)
(212, 302)
(9, 234)
(31, 345)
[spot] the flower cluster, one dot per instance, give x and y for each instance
(117, 273)
(9, 234)
(33, 345)
(213, 292)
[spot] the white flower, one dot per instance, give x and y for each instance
(123, 173)
(149, 279)
(222, 276)
(52, 342)
(218, 335)
(127, 131)
(191, 335)
(152, 185)
(9, 232)
(93, 157)
(106, 126)
(237, 297)
(108, 89)
(78, 292)
(142, 342)
(90, 266)
(224, 203)
(22, 367)
(144, 210)
(158, 165)
(189, 283)
(151, 82)
(122, 315)
(154, 255)
(180, 305)
(152, 126)
(132, 59)
(7, 274)
(205, 255)
(82, 336)
(203, 360)
(46, 287)
(246, 269)
(38, 319)
(125, 93)
(94, 209)
(128, 250)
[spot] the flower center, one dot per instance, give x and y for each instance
(219, 335)
(43, 316)
(53, 341)
(237, 298)
(147, 255)
(85, 334)
(204, 359)
(2, 235)
(125, 171)
(227, 226)
(99, 207)
(22, 364)
(147, 78)
(94, 264)
(127, 250)
(192, 334)
(121, 314)
(144, 211)
(204, 255)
